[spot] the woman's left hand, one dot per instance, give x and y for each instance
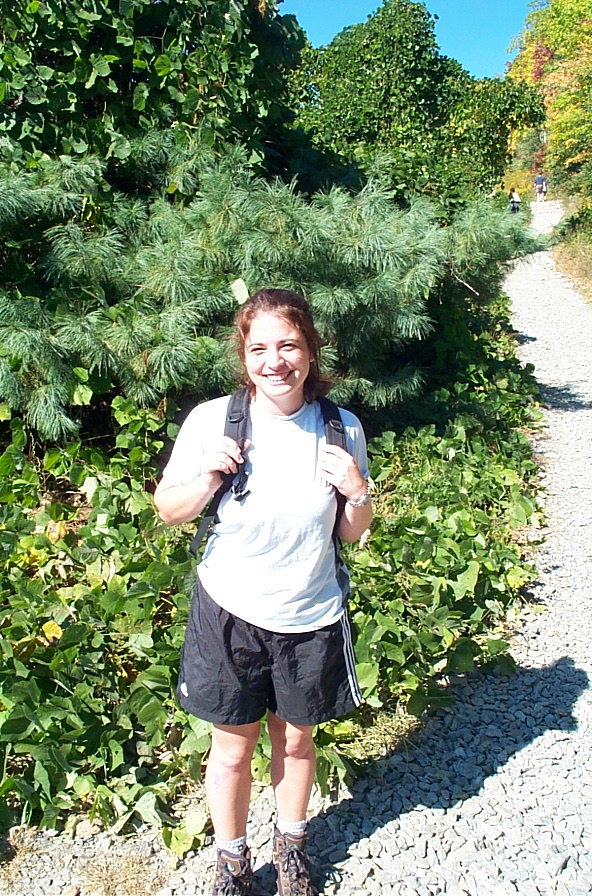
(340, 469)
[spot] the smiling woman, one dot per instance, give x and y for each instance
(269, 628)
(277, 361)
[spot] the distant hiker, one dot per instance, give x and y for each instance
(514, 200)
(540, 188)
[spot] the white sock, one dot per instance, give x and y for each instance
(291, 827)
(236, 847)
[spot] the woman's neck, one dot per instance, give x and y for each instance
(277, 407)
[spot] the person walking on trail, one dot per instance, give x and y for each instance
(514, 200)
(540, 188)
(545, 189)
(269, 629)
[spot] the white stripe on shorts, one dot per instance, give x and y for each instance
(350, 660)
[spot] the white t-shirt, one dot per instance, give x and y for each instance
(270, 560)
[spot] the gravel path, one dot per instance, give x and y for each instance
(493, 798)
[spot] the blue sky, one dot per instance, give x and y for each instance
(476, 32)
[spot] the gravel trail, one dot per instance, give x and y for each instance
(494, 797)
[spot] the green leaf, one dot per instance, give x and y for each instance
(74, 634)
(466, 581)
(193, 99)
(178, 841)
(140, 97)
(240, 291)
(462, 657)
(146, 808)
(82, 395)
(41, 776)
(196, 821)
(120, 147)
(417, 703)
(163, 65)
(367, 676)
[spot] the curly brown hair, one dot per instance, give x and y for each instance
(294, 308)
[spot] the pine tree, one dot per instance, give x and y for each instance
(104, 293)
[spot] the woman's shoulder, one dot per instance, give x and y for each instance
(208, 414)
(349, 419)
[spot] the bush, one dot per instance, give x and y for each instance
(95, 592)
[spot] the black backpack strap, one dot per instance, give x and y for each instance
(237, 421)
(335, 435)
(235, 427)
(334, 431)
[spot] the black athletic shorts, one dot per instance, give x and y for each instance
(232, 671)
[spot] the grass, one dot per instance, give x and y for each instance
(129, 874)
(573, 255)
(574, 259)
(120, 876)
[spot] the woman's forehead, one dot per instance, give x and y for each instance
(277, 326)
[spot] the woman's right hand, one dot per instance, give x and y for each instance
(224, 458)
(183, 503)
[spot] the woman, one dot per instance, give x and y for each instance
(514, 200)
(268, 630)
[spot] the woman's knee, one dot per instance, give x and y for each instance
(233, 746)
(295, 741)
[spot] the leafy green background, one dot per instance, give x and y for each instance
(159, 160)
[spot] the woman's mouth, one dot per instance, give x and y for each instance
(277, 379)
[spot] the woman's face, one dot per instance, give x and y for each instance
(277, 360)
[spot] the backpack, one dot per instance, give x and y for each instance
(237, 421)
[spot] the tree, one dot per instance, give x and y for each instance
(88, 75)
(384, 85)
(137, 298)
(555, 53)
(121, 267)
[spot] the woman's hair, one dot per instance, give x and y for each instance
(295, 309)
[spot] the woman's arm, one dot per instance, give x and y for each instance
(182, 503)
(340, 469)
(354, 522)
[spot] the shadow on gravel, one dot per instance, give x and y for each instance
(562, 398)
(446, 761)
(7, 850)
(523, 339)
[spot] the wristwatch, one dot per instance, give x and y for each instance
(365, 499)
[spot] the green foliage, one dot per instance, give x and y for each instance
(555, 53)
(441, 568)
(95, 593)
(91, 75)
(103, 295)
(443, 564)
(128, 228)
(94, 596)
(138, 297)
(384, 86)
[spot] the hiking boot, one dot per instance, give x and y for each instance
(233, 874)
(291, 864)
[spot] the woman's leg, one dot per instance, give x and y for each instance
(228, 778)
(293, 766)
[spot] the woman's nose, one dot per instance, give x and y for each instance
(274, 358)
